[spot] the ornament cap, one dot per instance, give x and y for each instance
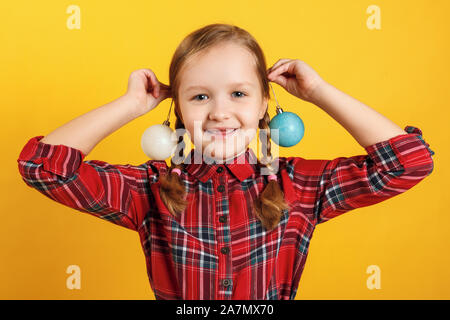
(279, 110)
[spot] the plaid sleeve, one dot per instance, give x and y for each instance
(389, 168)
(116, 193)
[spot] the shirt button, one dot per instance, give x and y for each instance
(223, 219)
(225, 250)
(226, 282)
(221, 188)
(219, 170)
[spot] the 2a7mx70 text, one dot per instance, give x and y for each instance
(246, 309)
(251, 309)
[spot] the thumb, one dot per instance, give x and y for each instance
(280, 80)
(158, 96)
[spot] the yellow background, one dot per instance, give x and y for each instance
(50, 75)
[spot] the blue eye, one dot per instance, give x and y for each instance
(199, 95)
(195, 97)
(243, 94)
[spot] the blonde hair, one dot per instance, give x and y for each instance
(270, 204)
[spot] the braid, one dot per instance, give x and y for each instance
(172, 190)
(266, 145)
(270, 203)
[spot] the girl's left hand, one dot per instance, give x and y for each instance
(297, 77)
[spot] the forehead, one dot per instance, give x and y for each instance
(221, 65)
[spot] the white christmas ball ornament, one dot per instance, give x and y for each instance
(159, 142)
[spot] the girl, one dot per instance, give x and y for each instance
(225, 230)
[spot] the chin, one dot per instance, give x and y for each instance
(219, 153)
(224, 155)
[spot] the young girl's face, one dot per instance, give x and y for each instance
(221, 100)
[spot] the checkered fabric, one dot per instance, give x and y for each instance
(217, 248)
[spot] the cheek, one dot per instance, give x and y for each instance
(250, 116)
(191, 120)
(250, 119)
(195, 114)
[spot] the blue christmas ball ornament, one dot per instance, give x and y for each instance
(286, 128)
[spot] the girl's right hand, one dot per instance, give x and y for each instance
(145, 89)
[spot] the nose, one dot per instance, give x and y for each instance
(219, 112)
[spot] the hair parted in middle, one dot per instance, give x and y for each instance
(270, 204)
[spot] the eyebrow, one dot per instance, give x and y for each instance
(235, 84)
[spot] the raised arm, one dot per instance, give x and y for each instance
(86, 131)
(365, 124)
(54, 164)
(396, 159)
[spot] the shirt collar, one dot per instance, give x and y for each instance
(242, 166)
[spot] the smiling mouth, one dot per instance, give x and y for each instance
(221, 133)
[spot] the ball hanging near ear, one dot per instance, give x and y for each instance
(289, 126)
(159, 141)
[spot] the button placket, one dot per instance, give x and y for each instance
(225, 272)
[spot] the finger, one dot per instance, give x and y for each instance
(277, 71)
(280, 70)
(154, 82)
(282, 81)
(279, 62)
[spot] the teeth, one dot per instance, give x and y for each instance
(216, 131)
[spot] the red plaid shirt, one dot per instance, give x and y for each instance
(217, 248)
